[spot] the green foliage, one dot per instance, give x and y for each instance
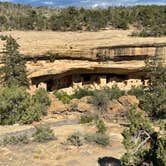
(33, 112)
(43, 134)
(75, 139)
(73, 107)
(136, 91)
(100, 100)
(13, 102)
(114, 92)
(101, 126)
(154, 99)
(17, 106)
(63, 96)
(99, 138)
(52, 57)
(102, 139)
(86, 119)
(102, 97)
(13, 71)
(41, 97)
(78, 94)
(82, 92)
(143, 145)
(146, 18)
(14, 140)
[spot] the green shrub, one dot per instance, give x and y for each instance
(63, 96)
(41, 97)
(17, 106)
(86, 119)
(73, 107)
(82, 93)
(34, 112)
(75, 139)
(43, 134)
(114, 92)
(14, 101)
(13, 140)
(143, 33)
(100, 100)
(101, 127)
(102, 139)
(99, 138)
(142, 143)
(136, 91)
(154, 98)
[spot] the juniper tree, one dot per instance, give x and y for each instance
(154, 99)
(13, 70)
(144, 146)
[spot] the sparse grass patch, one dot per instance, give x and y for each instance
(75, 139)
(14, 140)
(100, 100)
(73, 107)
(114, 93)
(101, 126)
(99, 138)
(86, 119)
(63, 96)
(136, 91)
(82, 92)
(43, 134)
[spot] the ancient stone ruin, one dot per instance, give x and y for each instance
(121, 65)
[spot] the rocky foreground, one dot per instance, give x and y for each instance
(64, 122)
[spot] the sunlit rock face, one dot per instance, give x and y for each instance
(105, 66)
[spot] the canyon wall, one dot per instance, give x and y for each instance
(123, 65)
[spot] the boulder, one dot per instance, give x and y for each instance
(57, 106)
(117, 109)
(83, 104)
(122, 104)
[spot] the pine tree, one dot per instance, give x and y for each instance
(13, 71)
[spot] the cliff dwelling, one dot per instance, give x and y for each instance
(124, 68)
(77, 79)
(88, 60)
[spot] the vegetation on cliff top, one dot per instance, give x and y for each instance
(149, 20)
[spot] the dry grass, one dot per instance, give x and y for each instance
(37, 43)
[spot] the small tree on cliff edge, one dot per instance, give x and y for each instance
(13, 71)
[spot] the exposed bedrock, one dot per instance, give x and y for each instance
(67, 67)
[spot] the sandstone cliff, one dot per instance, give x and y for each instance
(58, 54)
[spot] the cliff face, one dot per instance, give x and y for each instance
(61, 59)
(125, 59)
(131, 52)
